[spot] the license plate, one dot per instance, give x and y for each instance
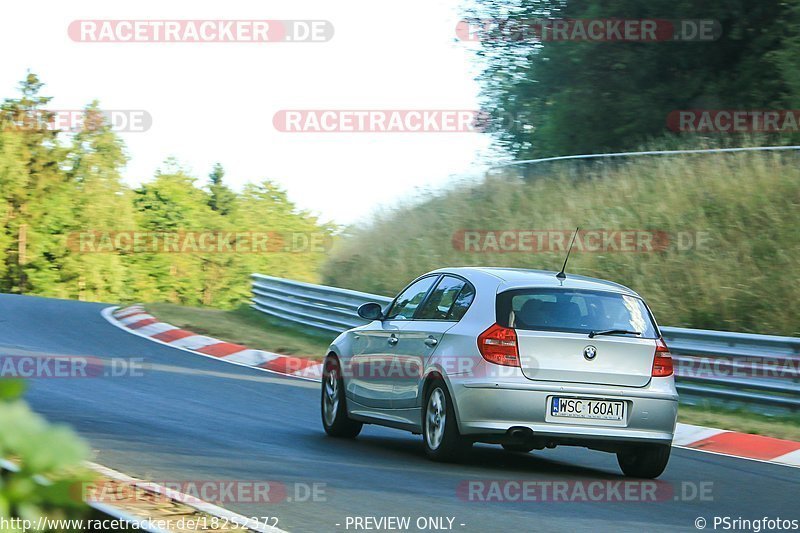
(587, 408)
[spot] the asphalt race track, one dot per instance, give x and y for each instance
(194, 418)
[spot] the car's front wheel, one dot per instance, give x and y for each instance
(647, 461)
(334, 410)
(440, 434)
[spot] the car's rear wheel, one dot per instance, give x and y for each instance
(334, 410)
(647, 461)
(440, 434)
(517, 447)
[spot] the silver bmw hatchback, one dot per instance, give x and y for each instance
(520, 358)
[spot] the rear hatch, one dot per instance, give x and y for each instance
(553, 356)
(553, 329)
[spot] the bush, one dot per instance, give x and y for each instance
(50, 477)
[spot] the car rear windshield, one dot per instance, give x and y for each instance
(574, 311)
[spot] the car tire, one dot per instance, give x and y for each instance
(440, 435)
(647, 461)
(333, 405)
(518, 448)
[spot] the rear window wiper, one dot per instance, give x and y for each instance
(593, 334)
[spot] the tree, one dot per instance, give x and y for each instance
(222, 198)
(171, 203)
(297, 243)
(63, 204)
(34, 189)
(587, 97)
(100, 204)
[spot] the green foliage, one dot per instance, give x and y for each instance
(49, 479)
(747, 206)
(32, 185)
(221, 198)
(55, 187)
(590, 97)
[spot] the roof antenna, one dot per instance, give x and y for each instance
(561, 276)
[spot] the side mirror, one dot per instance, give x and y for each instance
(370, 311)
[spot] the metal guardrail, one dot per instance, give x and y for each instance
(529, 166)
(650, 152)
(317, 306)
(742, 368)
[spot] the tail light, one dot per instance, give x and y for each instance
(498, 345)
(662, 362)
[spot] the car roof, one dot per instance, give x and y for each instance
(511, 278)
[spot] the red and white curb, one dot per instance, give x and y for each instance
(136, 320)
(192, 501)
(756, 447)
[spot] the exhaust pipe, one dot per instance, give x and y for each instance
(520, 433)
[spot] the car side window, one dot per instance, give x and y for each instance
(405, 305)
(462, 302)
(440, 302)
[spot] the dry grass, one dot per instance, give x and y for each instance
(745, 278)
(244, 326)
(781, 427)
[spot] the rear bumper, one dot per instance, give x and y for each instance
(486, 411)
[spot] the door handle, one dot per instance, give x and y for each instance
(430, 341)
(393, 340)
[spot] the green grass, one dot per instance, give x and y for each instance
(746, 206)
(246, 326)
(781, 427)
